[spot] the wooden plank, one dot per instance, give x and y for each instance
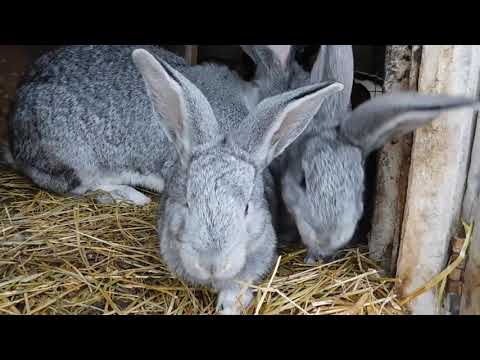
(401, 74)
(14, 60)
(191, 54)
(470, 303)
(438, 172)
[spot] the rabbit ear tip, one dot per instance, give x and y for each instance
(139, 53)
(141, 56)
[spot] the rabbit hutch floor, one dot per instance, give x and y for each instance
(61, 255)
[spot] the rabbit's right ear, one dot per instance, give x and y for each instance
(373, 123)
(187, 118)
(277, 121)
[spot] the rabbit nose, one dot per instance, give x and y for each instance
(211, 270)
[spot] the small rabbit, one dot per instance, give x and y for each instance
(323, 181)
(215, 223)
(322, 173)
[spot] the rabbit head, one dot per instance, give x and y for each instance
(215, 226)
(324, 193)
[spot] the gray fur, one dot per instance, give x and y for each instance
(93, 99)
(92, 118)
(324, 190)
(215, 222)
(373, 123)
(275, 66)
(322, 173)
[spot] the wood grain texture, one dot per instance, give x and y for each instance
(438, 172)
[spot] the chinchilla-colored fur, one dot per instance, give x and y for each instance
(322, 173)
(215, 223)
(81, 110)
(89, 118)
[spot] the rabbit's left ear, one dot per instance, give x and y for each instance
(283, 53)
(270, 57)
(375, 122)
(186, 117)
(335, 63)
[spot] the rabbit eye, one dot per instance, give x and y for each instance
(303, 183)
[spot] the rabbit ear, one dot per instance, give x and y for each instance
(187, 118)
(335, 63)
(373, 123)
(277, 121)
(270, 57)
(283, 53)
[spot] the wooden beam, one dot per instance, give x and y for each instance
(191, 54)
(470, 302)
(438, 172)
(401, 73)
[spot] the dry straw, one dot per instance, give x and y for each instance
(65, 255)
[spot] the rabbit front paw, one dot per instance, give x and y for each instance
(118, 193)
(233, 301)
(313, 258)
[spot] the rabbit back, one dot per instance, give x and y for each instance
(93, 98)
(79, 114)
(224, 90)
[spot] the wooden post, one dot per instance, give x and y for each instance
(438, 172)
(470, 302)
(191, 54)
(401, 74)
(14, 60)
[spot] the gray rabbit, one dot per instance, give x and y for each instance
(89, 118)
(215, 222)
(79, 114)
(322, 176)
(82, 109)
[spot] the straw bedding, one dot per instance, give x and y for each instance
(62, 255)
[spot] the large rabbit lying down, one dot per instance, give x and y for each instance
(89, 118)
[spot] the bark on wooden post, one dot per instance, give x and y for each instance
(191, 54)
(401, 74)
(438, 171)
(470, 303)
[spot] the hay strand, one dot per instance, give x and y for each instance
(70, 255)
(442, 276)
